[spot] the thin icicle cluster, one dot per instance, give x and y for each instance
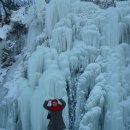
(56, 10)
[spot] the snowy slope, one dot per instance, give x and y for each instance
(78, 52)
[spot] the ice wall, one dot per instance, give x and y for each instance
(80, 53)
(83, 64)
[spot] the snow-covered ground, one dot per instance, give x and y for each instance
(75, 51)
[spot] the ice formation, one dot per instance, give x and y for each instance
(77, 52)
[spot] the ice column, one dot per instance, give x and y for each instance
(56, 10)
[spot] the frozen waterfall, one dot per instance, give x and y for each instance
(78, 52)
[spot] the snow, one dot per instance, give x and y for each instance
(4, 31)
(19, 16)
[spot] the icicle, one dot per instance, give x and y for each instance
(24, 103)
(56, 10)
(64, 64)
(61, 39)
(90, 35)
(35, 67)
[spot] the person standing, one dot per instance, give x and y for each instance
(56, 120)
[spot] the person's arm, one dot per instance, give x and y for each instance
(63, 102)
(45, 105)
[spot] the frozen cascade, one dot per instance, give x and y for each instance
(38, 88)
(77, 52)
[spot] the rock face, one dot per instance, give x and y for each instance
(76, 51)
(13, 43)
(13, 39)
